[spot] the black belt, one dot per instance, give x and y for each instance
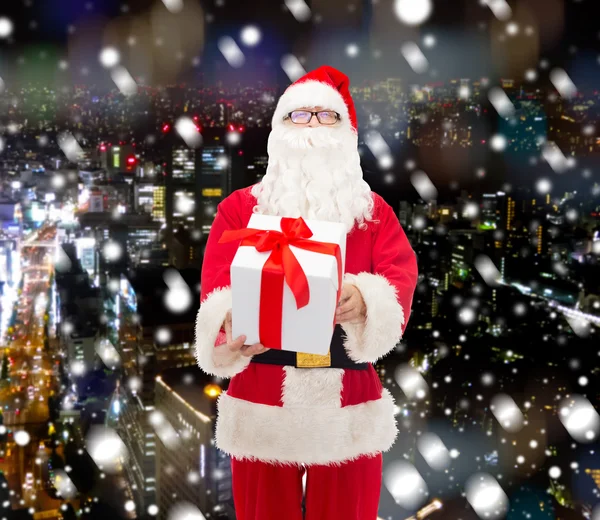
(338, 357)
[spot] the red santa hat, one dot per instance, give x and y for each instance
(323, 87)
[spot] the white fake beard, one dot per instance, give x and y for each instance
(314, 173)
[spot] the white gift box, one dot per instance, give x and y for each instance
(309, 329)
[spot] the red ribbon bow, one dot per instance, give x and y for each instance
(282, 265)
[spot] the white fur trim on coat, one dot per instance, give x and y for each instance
(368, 342)
(309, 94)
(311, 434)
(217, 361)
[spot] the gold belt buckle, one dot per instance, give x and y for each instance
(313, 360)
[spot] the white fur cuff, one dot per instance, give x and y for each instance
(383, 328)
(217, 361)
(311, 435)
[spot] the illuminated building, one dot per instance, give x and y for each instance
(118, 158)
(9, 259)
(510, 213)
(139, 437)
(133, 231)
(145, 358)
(86, 254)
(183, 209)
(214, 177)
(158, 205)
(153, 355)
(595, 475)
(10, 211)
(258, 168)
(149, 198)
(182, 188)
(106, 197)
(96, 202)
(445, 214)
(193, 470)
(461, 257)
(394, 87)
(184, 163)
(81, 345)
(489, 210)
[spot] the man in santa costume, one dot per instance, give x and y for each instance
(288, 415)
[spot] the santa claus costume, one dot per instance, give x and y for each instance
(288, 415)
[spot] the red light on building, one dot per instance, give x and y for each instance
(240, 152)
(131, 162)
(102, 148)
(231, 128)
(241, 128)
(166, 128)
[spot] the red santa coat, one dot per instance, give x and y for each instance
(289, 415)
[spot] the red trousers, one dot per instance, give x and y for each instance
(264, 491)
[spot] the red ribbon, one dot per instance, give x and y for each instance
(282, 265)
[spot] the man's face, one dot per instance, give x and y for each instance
(304, 119)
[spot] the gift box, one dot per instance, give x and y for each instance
(286, 282)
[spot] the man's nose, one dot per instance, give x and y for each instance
(314, 122)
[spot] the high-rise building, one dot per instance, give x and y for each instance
(190, 468)
(508, 210)
(184, 164)
(197, 180)
(405, 214)
(510, 213)
(215, 179)
(461, 256)
(9, 260)
(539, 239)
(183, 208)
(223, 170)
(159, 203)
(489, 208)
(182, 185)
(144, 196)
(86, 254)
(118, 158)
(112, 197)
(258, 168)
(138, 435)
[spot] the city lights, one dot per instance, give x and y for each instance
(133, 137)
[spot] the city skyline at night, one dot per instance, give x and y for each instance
(124, 125)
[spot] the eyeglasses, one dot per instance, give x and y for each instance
(325, 117)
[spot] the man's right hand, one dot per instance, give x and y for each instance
(237, 345)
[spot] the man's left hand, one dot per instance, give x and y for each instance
(351, 308)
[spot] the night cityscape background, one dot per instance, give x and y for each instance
(124, 124)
